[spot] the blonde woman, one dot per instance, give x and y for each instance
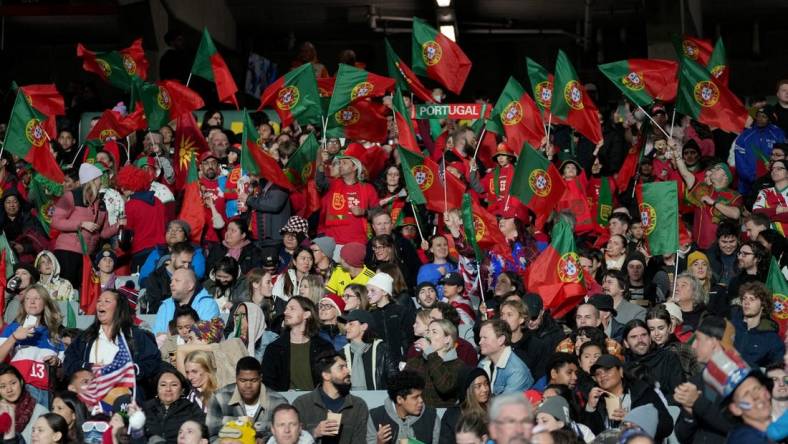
(200, 370)
(699, 266)
(312, 287)
(35, 331)
(438, 364)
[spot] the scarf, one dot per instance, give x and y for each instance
(358, 380)
(235, 252)
(23, 411)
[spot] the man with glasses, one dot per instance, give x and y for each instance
(213, 198)
(773, 201)
(776, 372)
(753, 262)
(511, 418)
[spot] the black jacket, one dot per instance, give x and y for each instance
(250, 257)
(706, 424)
(166, 422)
(394, 325)
(538, 344)
(660, 365)
(276, 360)
(157, 288)
(409, 261)
(379, 372)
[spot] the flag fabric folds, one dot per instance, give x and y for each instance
(658, 204)
(517, 117)
(294, 97)
(210, 65)
(437, 57)
(644, 80)
(116, 67)
(402, 74)
(703, 98)
(189, 144)
(118, 373)
(537, 183)
(571, 103)
(255, 161)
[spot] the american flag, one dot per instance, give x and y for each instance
(119, 373)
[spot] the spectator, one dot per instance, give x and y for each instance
(473, 395)
(330, 308)
(226, 284)
(287, 428)
(453, 288)
(200, 369)
(471, 429)
(507, 372)
(776, 373)
(698, 265)
(367, 354)
(294, 233)
(562, 369)
(351, 269)
(403, 252)
(757, 335)
(288, 283)
(604, 305)
(660, 366)
(73, 411)
(323, 252)
(440, 264)
(213, 199)
(511, 418)
(312, 287)
(22, 230)
(772, 201)
(394, 324)
(284, 362)
(330, 411)
(18, 402)
(542, 334)
(403, 414)
(722, 255)
(465, 350)
(345, 202)
(246, 397)
(271, 210)
(426, 296)
(157, 284)
(355, 297)
(25, 276)
(193, 432)
(438, 364)
(49, 277)
(691, 299)
(753, 262)
(616, 285)
(145, 214)
(165, 413)
(50, 428)
(185, 291)
(247, 323)
(661, 328)
(236, 244)
(177, 231)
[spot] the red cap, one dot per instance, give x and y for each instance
(207, 155)
(510, 208)
(503, 150)
(335, 300)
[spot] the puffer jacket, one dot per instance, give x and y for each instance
(59, 289)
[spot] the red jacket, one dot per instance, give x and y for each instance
(146, 218)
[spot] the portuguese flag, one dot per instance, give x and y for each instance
(644, 80)
(718, 63)
(437, 57)
(406, 135)
(353, 84)
(90, 285)
(777, 283)
(116, 67)
(300, 168)
(605, 203)
(402, 74)
(113, 126)
(360, 120)
(27, 139)
(537, 183)
(325, 87)
(189, 144)
(164, 101)
(516, 116)
(210, 65)
(294, 97)
(659, 214)
(557, 272)
(254, 159)
(541, 87)
(693, 48)
(481, 230)
(422, 177)
(703, 98)
(43, 193)
(45, 99)
(572, 104)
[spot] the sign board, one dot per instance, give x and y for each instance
(451, 110)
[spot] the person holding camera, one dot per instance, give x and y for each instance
(25, 275)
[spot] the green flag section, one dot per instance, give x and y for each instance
(517, 117)
(557, 273)
(571, 103)
(71, 316)
(402, 74)
(353, 84)
(438, 58)
(481, 230)
(718, 63)
(422, 177)
(406, 134)
(255, 161)
(777, 283)
(541, 87)
(294, 97)
(9, 256)
(703, 98)
(537, 183)
(643, 80)
(26, 138)
(658, 204)
(210, 65)
(300, 167)
(116, 67)
(164, 101)
(605, 203)
(43, 193)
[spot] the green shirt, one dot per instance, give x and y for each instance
(300, 374)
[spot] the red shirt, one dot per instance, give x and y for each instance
(336, 219)
(211, 187)
(704, 228)
(146, 220)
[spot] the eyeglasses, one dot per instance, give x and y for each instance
(744, 253)
(778, 168)
(325, 306)
(349, 295)
(101, 427)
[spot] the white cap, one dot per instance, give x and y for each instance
(88, 172)
(382, 281)
(675, 311)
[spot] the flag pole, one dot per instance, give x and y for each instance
(654, 122)
(481, 286)
(188, 79)
(672, 121)
(479, 143)
(675, 274)
(416, 217)
(549, 124)
(445, 181)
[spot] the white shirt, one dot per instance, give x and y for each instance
(103, 351)
(251, 410)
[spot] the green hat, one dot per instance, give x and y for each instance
(725, 168)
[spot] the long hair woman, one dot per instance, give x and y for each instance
(17, 402)
(201, 373)
(50, 428)
(312, 287)
(661, 327)
(35, 331)
(68, 405)
(474, 396)
(165, 413)
(289, 282)
(355, 297)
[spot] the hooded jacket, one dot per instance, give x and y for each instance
(424, 427)
(59, 289)
(70, 212)
(202, 303)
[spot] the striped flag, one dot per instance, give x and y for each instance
(119, 373)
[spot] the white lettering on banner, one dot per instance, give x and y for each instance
(451, 111)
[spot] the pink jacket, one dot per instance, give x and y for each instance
(67, 218)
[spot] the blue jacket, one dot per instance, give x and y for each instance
(743, 433)
(203, 303)
(759, 346)
(152, 262)
(513, 377)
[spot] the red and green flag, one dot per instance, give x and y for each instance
(644, 80)
(300, 167)
(658, 204)
(541, 87)
(517, 117)
(423, 176)
(360, 120)
(572, 104)
(557, 274)
(43, 193)
(481, 230)
(777, 283)
(537, 183)
(605, 202)
(632, 160)
(353, 84)
(164, 101)
(402, 74)
(26, 138)
(113, 126)
(437, 57)
(90, 285)
(255, 161)
(45, 99)
(704, 99)
(210, 65)
(718, 63)
(189, 144)
(406, 134)
(116, 67)
(294, 97)
(693, 48)
(325, 88)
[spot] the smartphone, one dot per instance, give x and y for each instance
(30, 321)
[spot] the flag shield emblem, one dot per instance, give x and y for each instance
(105, 68)
(706, 93)
(780, 306)
(479, 227)
(512, 113)
(423, 176)
(363, 89)
(569, 267)
(573, 95)
(717, 71)
(544, 94)
(648, 217)
(347, 116)
(306, 171)
(540, 182)
(690, 49)
(431, 52)
(129, 64)
(163, 98)
(108, 134)
(287, 98)
(34, 133)
(633, 81)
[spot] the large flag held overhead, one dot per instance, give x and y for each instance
(119, 373)
(693, 48)
(571, 103)
(644, 80)
(658, 204)
(113, 126)
(542, 88)
(353, 84)
(254, 159)
(718, 63)
(517, 117)
(406, 134)
(210, 65)
(537, 183)
(437, 57)
(360, 120)
(164, 101)
(703, 98)
(116, 67)
(294, 97)
(557, 273)
(423, 181)
(45, 99)
(402, 74)
(481, 230)
(189, 144)
(26, 138)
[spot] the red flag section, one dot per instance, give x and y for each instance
(189, 144)
(47, 100)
